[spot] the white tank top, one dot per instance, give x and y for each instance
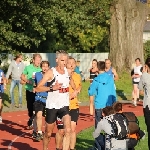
(56, 99)
(137, 70)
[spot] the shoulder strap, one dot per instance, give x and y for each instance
(132, 72)
(141, 69)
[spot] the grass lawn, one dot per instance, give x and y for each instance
(7, 101)
(123, 88)
(85, 139)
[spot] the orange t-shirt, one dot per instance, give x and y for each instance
(77, 80)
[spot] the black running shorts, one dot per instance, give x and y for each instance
(51, 114)
(1, 95)
(39, 106)
(74, 114)
(135, 82)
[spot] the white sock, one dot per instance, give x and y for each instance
(134, 102)
(40, 132)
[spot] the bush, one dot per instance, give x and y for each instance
(5, 67)
(147, 49)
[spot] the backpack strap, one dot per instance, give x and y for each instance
(141, 69)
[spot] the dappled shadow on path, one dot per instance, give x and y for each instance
(18, 145)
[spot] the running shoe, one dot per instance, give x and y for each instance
(39, 137)
(34, 134)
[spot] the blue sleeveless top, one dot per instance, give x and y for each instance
(109, 72)
(40, 96)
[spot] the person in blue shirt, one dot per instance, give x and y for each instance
(102, 92)
(110, 70)
(2, 87)
(77, 69)
(40, 102)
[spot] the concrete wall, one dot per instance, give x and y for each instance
(86, 60)
(146, 36)
(45, 56)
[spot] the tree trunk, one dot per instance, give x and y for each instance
(126, 33)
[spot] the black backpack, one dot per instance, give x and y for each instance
(119, 126)
(132, 122)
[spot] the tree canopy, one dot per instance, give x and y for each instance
(46, 26)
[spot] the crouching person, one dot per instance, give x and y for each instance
(134, 132)
(115, 131)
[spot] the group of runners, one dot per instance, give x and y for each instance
(52, 92)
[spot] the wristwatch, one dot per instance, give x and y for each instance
(51, 88)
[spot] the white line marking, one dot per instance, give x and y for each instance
(18, 115)
(9, 146)
(9, 116)
(25, 114)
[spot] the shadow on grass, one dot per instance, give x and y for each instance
(84, 144)
(6, 100)
(121, 94)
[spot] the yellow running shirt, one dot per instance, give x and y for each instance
(77, 80)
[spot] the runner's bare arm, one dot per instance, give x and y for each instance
(71, 80)
(91, 105)
(25, 80)
(22, 82)
(116, 77)
(80, 86)
(41, 85)
(72, 84)
(4, 81)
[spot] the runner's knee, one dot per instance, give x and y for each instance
(73, 130)
(68, 130)
(39, 115)
(61, 132)
(48, 134)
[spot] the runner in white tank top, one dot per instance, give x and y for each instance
(57, 102)
(137, 72)
(57, 99)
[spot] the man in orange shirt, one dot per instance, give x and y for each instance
(73, 107)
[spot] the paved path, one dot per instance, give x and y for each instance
(15, 136)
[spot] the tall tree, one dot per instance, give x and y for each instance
(31, 26)
(126, 32)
